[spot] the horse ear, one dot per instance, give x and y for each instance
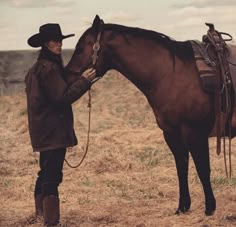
(96, 22)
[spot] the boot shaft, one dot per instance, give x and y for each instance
(51, 211)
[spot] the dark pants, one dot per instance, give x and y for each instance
(50, 174)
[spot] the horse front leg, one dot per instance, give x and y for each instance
(181, 156)
(199, 149)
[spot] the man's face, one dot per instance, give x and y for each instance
(54, 46)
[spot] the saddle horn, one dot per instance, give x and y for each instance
(210, 25)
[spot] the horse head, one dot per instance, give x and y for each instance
(90, 51)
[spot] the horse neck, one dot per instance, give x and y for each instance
(143, 62)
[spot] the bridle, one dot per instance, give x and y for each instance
(96, 48)
(94, 57)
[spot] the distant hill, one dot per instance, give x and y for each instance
(15, 64)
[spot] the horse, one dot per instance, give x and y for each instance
(164, 70)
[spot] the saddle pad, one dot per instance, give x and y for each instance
(205, 67)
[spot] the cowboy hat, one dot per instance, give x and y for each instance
(46, 33)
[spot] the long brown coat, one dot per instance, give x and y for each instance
(49, 100)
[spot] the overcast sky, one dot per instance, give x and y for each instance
(180, 19)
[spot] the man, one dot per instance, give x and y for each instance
(50, 116)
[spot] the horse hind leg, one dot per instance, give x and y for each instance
(181, 156)
(199, 150)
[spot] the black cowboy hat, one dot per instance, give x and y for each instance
(46, 33)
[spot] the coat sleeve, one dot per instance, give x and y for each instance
(58, 91)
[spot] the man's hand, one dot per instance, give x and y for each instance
(89, 74)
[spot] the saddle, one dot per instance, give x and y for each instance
(215, 63)
(208, 64)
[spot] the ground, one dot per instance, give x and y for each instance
(128, 177)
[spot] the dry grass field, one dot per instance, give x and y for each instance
(128, 177)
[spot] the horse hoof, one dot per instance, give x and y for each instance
(209, 212)
(177, 212)
(181, 211)
(210, 208)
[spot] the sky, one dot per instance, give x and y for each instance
(179, 19)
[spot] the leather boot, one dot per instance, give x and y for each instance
(51, 211)
(39, 205)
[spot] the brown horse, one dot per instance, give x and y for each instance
(165, 71)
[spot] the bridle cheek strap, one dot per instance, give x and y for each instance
(96, 48)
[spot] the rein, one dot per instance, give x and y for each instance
(96, 48)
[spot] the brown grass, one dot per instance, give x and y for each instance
(128, 177)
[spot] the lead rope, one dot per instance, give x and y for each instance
(88, 136)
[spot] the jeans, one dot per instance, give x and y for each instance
(50, 174)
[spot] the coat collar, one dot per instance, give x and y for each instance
(45, 53)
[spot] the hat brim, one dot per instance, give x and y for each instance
(36, 40)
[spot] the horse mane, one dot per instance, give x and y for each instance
(183, 50)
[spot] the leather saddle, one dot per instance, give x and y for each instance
(208, 66)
